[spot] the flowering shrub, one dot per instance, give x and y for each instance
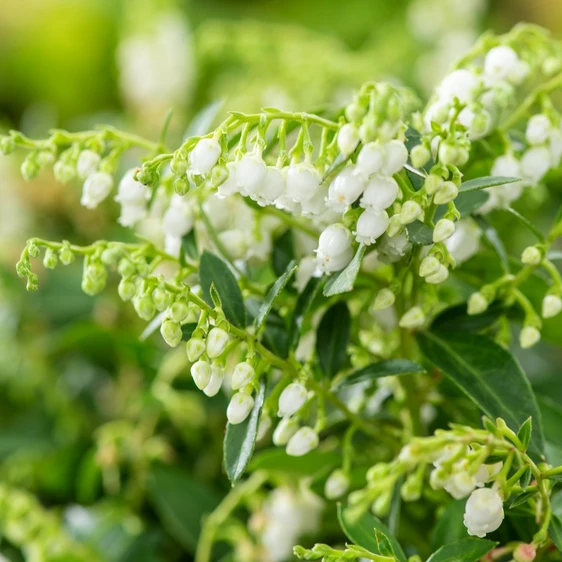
(316, 269)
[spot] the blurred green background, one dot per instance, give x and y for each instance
(85, 407)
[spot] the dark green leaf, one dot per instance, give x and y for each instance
(494, 240)
(449, 527)
(337, 165)
(484, 182)
(189, 246)
(283, 252)
(526, 223)
(213, 270)
(393, 520)
(387, 368)
(301, 308)
(520, 499)
(180, 502)
(332, 338)
(489, 375)
(275, 336)
(278, 460)
(343, 281)
(525, 432)
(457, 319)
(383, 543)
(240, 439)
(359, 528)
(419, 233)
(467, 203)
(273, 293)
(525, 480)
(555, 531)
(466, 550)
(187, 330)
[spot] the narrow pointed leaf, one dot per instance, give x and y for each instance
(343, 281)
(555, 531)
(484, 182)
(301, 308)
(419, 233)
(525, 432)
(494, 240)
(332, 338)
(390, 367)
(466, 550)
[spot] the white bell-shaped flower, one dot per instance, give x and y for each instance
(538, 129)
(201, 372)
(87, 163)
(131, 213)
(316, 206)
(380, 193)
(242, 375)
(336, 485)
(302, 442)
(348, 139)
(483, 512)
(395, 156)
(334, 250)
(500, 63)
(273, 187)
(131, 191)
(461, 84)
(460, 484)
(551, 306)
(465, 240)
(443, 230)
(371, 158)
(302, 182)
(251, 172)
(239, 408)
(215, 382)
(204, 156)
(371, 225)
(346, 188)
(535, 163)
(285, 429)
(529, 336)
(96, 188)
(292, 399)
(229, 186)
(217, 340)
(178, 218)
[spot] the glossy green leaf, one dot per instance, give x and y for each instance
(180, 502)
(465, 550)
(332, 338)
(213, 270)
(555, 531)
(301, 308)
(449, 526)
(489, 375)
(283, 252)
(277, 460)
(383, 543)
(419, 233)
(187, 330)
(457, 319)
(484, 182)
(359, 528)
(343, 281)
(240, 440)
(494, 240)
(387, 368)
(466, 203)
(525, 432)
(273, 293)
(189, 247)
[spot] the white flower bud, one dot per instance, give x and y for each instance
(242, 375)
(235, 242)
(371, 225)
(483, 512)
(334, 248)
(385, 298)
(204, 156)
(461, 84)
(178, 311)
(531, 256)
(538, 129)
(429, 266)
(195, 347)
(395, 227)
(396, 155)
(178, 218)
(438, 478)
(500, 62)
(444, 229)
(201, 372)
(131, 214)
(460, 484)
(130, 191)
(285, 429)
(529, 336)
(96, 188)
(439, 276)
(371, 158)
(88, 161)
(336, 485)
(420, 156)
(229, 186)
(535, 163)
(380, 193)
(465, 241)
(411, 211)
(348, 139)
(273, 187)
(251, 172)
(292, 399)
(551, 306)
(302, 442)
(171, 332)
(345, 188)
(215, 382)
(303, 182)
(452, 154)
(217, 339)
(477, 303)
(432, 184)
(446, 193)
(413, 318)
(239, 408)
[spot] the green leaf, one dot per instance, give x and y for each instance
(240, 439)
(466, 203)
(520, 499)
(343, 281)
(525, 432)
(494, 240)
(273, 293)
(383, 543)
(457, 319)
(180, 502)
(359, 528)
(301, 308)
(277, 460)
(213, 270)
(555, 531)
(419, 233)
(466, 550)
(283, 252)
(484, 182)
(187, 330)
(387, 368)
(489, 375)
(526, 223)
(189, 247)
(275, 336)
(332, 338)
(449, 527)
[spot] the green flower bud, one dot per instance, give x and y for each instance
(147, 176)
(96, 271)
(354, 112)
(33, 250)
(178, 311)
(413, 318)
(92, 286)
(381, 506)
(477, 303)
(50, 259)
(64, 172)
(411, 211)
(195, 348)
(444, 228)
(145, 307)
(30, 167)
(162, 298)
(181, 186)
(126, 289)
(432, 183)
(217, 339)
(219, 174)
(126, 268)
(179, 166)
(7, 145)
(419, 156)
(110, 256)
(385, 298)
(171, 332)
(446, 193)
(529, 336)
(439, 276)
(429, 266)
(531, 256)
